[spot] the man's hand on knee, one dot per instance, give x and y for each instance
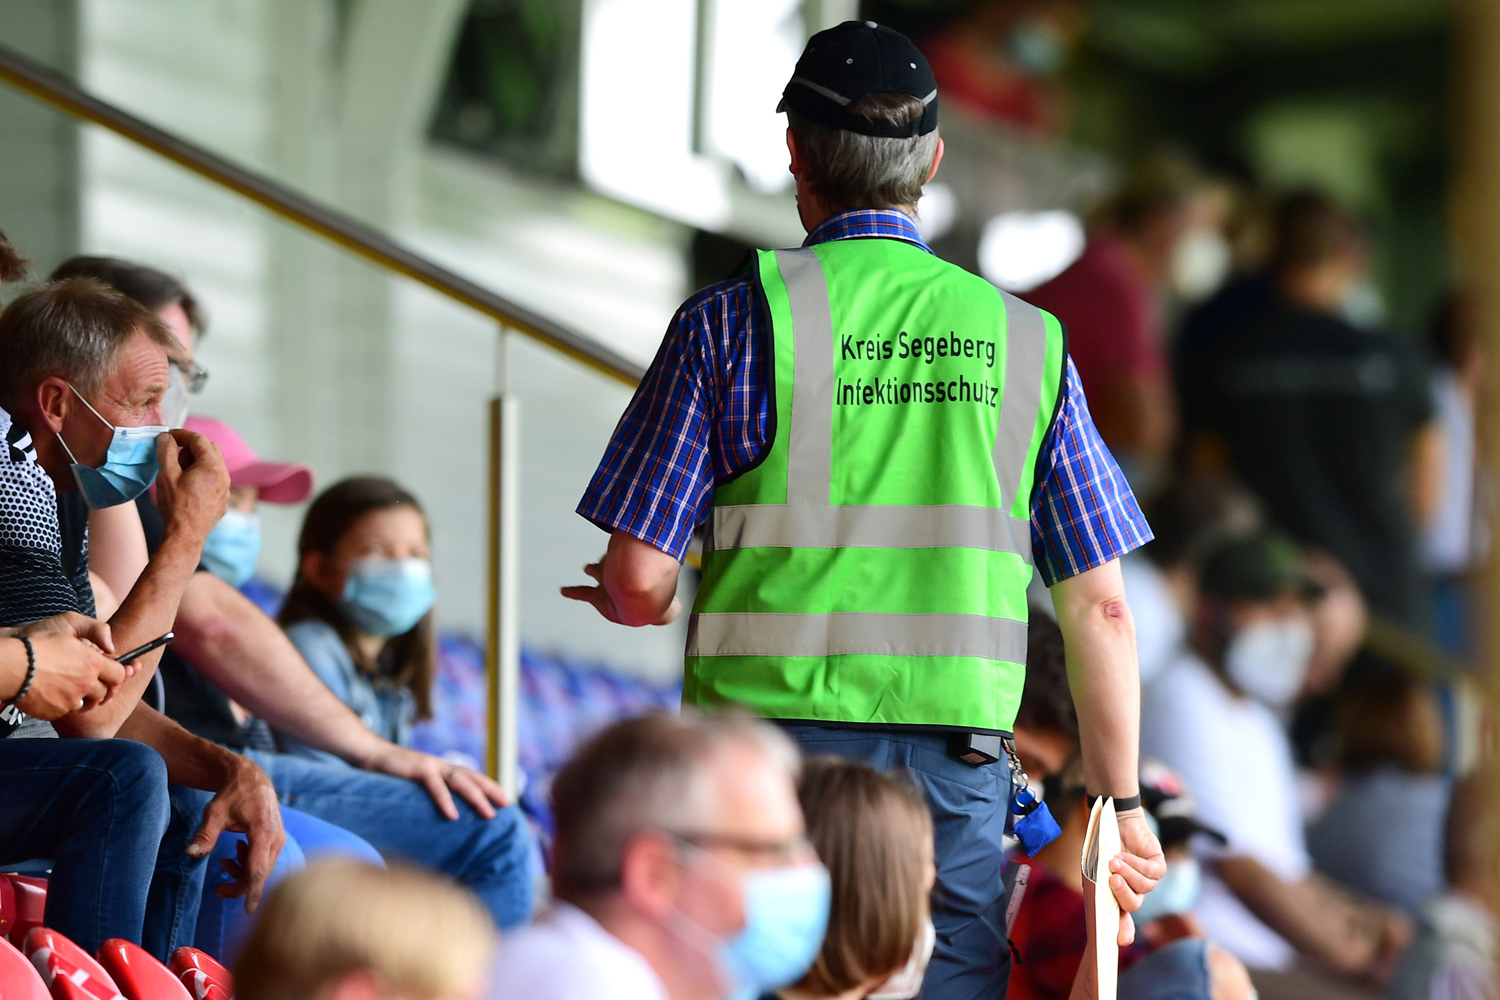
(245, 804)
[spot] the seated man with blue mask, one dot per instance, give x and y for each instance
(403, 802)
(82, 373)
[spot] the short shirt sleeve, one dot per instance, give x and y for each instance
(1083, 512)
(33, 581)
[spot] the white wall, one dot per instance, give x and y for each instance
(317, 359)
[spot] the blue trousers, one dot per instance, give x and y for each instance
(97, 809)
(972, 957)
(491, 858)
(223, 924)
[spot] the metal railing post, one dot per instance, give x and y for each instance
(503, 650)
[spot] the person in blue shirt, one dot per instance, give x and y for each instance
(360, 608)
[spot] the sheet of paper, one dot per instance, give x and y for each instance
(1103, 913)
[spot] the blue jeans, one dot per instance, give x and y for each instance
(972, 957)
(223, 925)
(491, 858)
(97, 809)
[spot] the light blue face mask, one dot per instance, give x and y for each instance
(387, 597)
(232, 549)
(1177, 892)
(786, 916)
(129, 466)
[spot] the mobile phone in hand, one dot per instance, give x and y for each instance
(140, 651)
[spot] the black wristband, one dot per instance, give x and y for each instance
(1121, 805)
(30, 669)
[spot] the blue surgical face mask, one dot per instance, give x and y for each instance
(786, 916)
(1177, 892)
(387, 597)
(129, 466)
(232, 549)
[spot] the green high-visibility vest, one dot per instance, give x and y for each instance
(872, 567)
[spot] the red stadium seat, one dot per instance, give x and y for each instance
(29, 904)
(64, 965)
(139, 975)
(202, 974)
(18, 977)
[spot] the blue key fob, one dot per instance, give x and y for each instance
(1033, 822)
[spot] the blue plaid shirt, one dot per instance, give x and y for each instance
(704, 412)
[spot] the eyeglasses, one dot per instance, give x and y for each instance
(194, 375)
(775, 852)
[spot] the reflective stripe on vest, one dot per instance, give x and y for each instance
(807, 520)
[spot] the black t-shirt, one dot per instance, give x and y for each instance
(1318, 417)
(44, 551)
(192, 700)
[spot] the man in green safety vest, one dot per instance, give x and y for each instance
(881, 447)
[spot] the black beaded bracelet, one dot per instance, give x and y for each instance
(30, 669)
(1121, 805)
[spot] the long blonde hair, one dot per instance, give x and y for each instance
(874, 832)
(421, 934)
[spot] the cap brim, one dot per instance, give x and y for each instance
(278, 482)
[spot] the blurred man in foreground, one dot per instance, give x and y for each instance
(681, 869)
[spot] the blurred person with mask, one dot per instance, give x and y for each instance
(229, 653)
(1189, 517)
(874, 834)
(1194, 514)
(1214, 717)
(1112, 300)
(1171, 956)
(681, 869)
(1390, 762)
(1001, 62)
(858, 389)
(1329, 423)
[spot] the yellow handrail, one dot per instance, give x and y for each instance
(53, 88)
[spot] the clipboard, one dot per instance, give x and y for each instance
(1100, 845)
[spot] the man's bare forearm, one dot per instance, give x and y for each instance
(1099, 636)
(191, 760)
(146, 612)
(247, 655)
(1315, 916)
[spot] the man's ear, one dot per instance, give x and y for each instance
(649, 874)
(54, 400)
(795, 166)
(936, 159)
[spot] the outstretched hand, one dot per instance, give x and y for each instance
(600, 598)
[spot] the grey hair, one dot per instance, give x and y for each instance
(72, 330)
(648, 773)
(850, 170)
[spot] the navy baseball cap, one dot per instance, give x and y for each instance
(857, 58)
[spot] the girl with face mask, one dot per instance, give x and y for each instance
(360, 607)
(874, 834)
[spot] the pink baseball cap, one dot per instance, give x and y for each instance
(278, 482)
